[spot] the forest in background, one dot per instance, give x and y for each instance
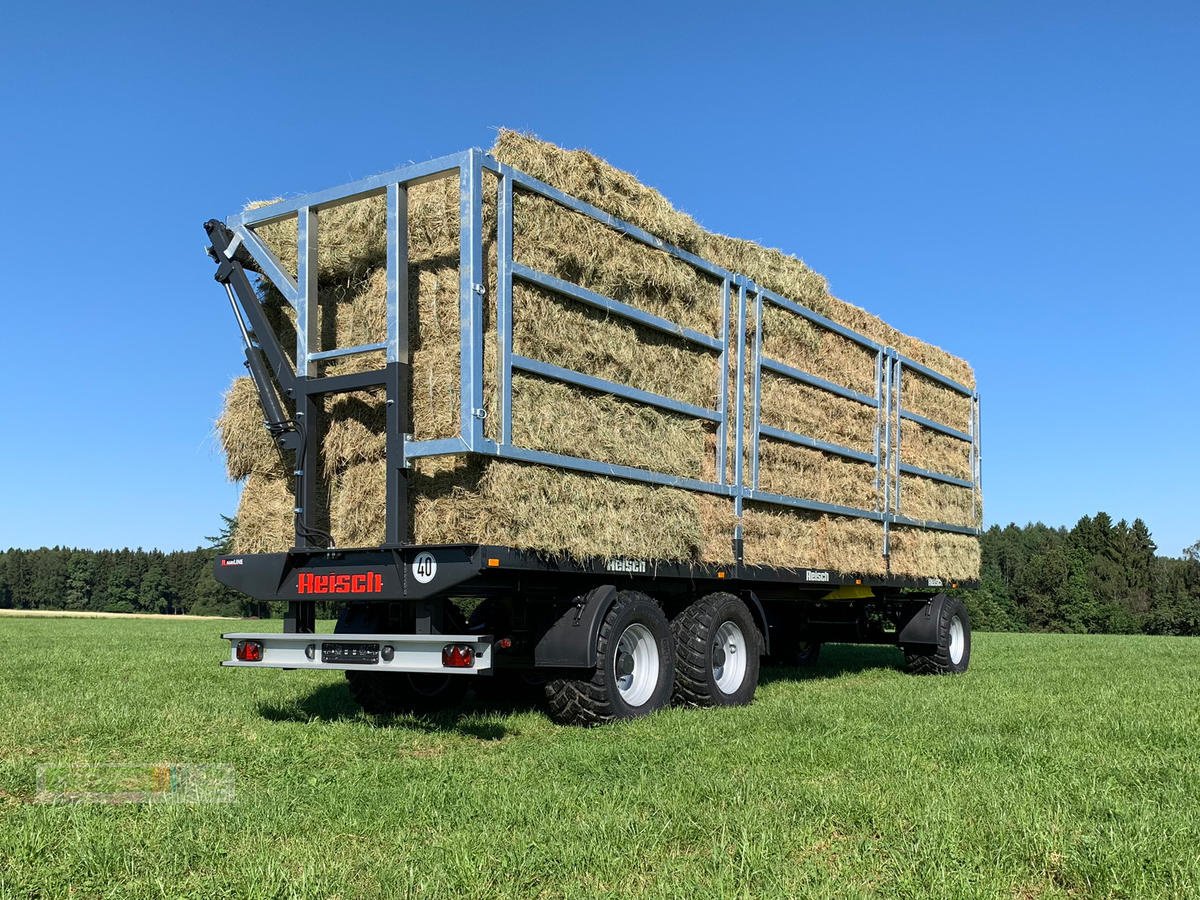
(1099, 576)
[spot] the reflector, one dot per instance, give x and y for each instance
(249, 651)
(458, 656)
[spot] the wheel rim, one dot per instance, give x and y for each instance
(728, 657)
(635, 664)
(958, 640)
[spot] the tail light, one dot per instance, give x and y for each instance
(249, 651)
(458, 656)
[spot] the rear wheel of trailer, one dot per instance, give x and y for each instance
(635, 667)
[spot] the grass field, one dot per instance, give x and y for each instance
(1059, 766)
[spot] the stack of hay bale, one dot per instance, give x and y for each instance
(465, 499)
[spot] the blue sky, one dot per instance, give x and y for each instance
(1015, 182)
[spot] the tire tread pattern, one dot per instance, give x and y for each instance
(588, 701)
(693, 629)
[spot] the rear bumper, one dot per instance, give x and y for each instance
(415, 653)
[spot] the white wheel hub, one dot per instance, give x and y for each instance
(728, 657)
(635, 665)
(958, 640)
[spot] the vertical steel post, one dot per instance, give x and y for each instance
(307, 270)
(889, 364)
(504, 294)
(878, 426)
(398, 364)
(976, 464)
(471, 290)
(723, 402)
(397, 274)
(899, 428)
(308, 407)
(739, 443)
(756, 389)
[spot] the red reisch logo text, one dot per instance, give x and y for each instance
(366, 583)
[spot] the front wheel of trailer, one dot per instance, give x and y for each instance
(952, 653)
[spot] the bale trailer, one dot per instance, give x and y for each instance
(604, 638)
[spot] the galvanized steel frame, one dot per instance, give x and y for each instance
(752, 299)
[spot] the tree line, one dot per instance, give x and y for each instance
(147, 581)
(1098, 576)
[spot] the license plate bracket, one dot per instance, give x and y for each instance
(353, 653)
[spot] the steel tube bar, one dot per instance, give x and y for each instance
(591, 466)
(723, 388)
(270, 265)
(471, 289)
(772, 365)
(934, 476)
(937, 426)
(570, 376)
(354, 190)
(397, 274)
(633, 231)
(934, 376)
(802, 440)
(818, 319)
(756, 390)
(347, 351)
(583, 295)
(739, 438)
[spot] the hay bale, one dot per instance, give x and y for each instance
(265, 515)
(919, 553)
(816, 413)
(800, 472)
(546, 416)
(936, 501)
(247, 445)
(535, 507)
(792, 538)
(564, 513)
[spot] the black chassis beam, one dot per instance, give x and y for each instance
(422, 572)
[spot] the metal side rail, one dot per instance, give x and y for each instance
(414, 653)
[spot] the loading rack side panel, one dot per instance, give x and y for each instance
(236, 247)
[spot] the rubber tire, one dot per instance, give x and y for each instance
(694, 629)
(594, 699)
(807, 655)
(397, 693)
(936, 660)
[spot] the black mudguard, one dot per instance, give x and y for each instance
(922, 628)
(570, 643)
